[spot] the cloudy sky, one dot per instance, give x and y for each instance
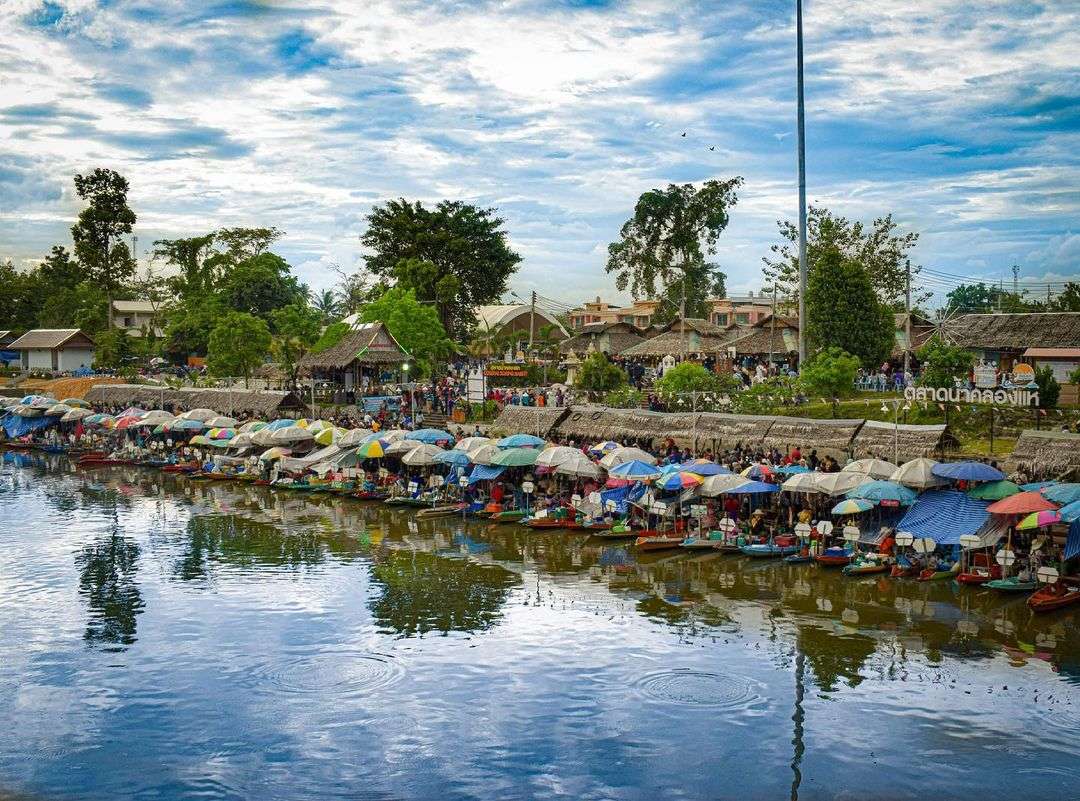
(962, 118)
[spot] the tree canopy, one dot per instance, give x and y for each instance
(238, 344)
(297, 328)
(415, 325)
(943, 363)
(99, 229)
(597, 374)
(691, 377)
(831, 373)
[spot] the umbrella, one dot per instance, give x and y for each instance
(78, 413)
(852, 506)
(515, 457)
(994, 490)
(264, 437)
(371, 450)
(201, 415)
(198, 439)
(839, 483)
(400, 447)
(754, 488)
(623, 454)
(220, 421)
(483, 454)
(58, 409)
(580, 467)
(719, 485)
(354, 437)
(553, 457)
(634, 469)
(967, 471)
(801, 482)
(454, 457)
(328, 436)
(241, 441)
(1070, 513)
(422, 455)
(521, 441)
(292, 434)
(430, 435)
(680, 481)
(703, 467)
(1062, 493)
(917, 474)
(282, 422)
(82, 404)
(156, 417)
(1021, 503)
(668, 469)
(1047, 517)
(315, 426)
(393, 435)
(274, 453)
(97, 419)
(875, 468)
(1037, 485)
(887, 491)
(472, 443)
(184, 424)
(126, 422)
(758, 471)
(603, 447)
(251, 426)
(792, 469)
(220, 433)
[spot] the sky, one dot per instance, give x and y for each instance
(960, 118)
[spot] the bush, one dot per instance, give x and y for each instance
(597, 374)
(830, 373)
(1049, 388)
(1074, 376)
(625, 398)
(691, 377)
(942, 363)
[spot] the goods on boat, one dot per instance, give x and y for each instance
(507, 515)
(697, 543)
(979, 575)
(658, 541)
(930, 574)
(1012, 584)
(867, 564)
(1053, 596)
(765, 550)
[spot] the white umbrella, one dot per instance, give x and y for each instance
(291, 434)
(251, 426)
(155, 417)
(400, 447)
(720, 484)
(78, 413)
(557, 455)
(57, 409)
(838, 483)
(472, 443)
(801, 482)
(917, 475)
(221, 421)
(580, 466)
(241, 441)
(624, 454)
(483, 454)
(354, 437)
(393, 435)
(199, 414)
(263, 437)
(875, 468)
(422, 455)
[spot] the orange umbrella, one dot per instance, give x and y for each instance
(1021, 504)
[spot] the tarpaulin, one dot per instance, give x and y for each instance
(485, 472)
(945, 516)
(618, 495)
(1072, 544)
(18, 426)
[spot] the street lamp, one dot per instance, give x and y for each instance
(412, 395)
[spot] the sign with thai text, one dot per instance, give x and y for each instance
(1001, 397)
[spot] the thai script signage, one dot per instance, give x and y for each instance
(1001, 397)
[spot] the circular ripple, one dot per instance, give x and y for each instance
(338, 673)
(699, 688)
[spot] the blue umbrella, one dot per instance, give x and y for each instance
(280, 423)
(1037, 485)
(187, 425)
(1070, 513)
(430, 436)
(521, 441)
(668, 469)
(792, 469)
(754, 488)
(634, 469)
(458, 458)
(705, 469)
(878, 491)
(1062, 493)
(967, 471)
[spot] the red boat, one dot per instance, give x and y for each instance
(833, 557)
(183, 467)
(1053, 596)
(552, 522)
(101, 461)
(980, 571)
(651, 540)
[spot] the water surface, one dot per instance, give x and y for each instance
(165, 639)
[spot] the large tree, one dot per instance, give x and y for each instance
(99, 229)
(466, 245)
(19, 298)
(415, 325)
(259, 285)
(297, 328)
(842, 310)
(238, 344)
(880, 248)
(662, 249)
(194, 260)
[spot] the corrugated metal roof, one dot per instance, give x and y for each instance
(43, 338)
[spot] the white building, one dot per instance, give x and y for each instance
(60, 349)
(135, 317)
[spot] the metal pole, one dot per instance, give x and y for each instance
(800, 122)
(896, 432)
(907, 326)
(532, 320)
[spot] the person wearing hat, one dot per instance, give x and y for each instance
(757, 523)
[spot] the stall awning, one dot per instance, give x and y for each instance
(16, 425)
(485, 472)
(1072, 544)
(945, 516)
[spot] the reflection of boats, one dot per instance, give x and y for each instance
(616, 532)
(1011, 584)
(798, 559)
(652, 540)
(1054, 596)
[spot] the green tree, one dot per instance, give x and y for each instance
(20, 298)
(662, 249)
(327, 304)
(259, 285)
(464, 243)
(297, 327)
(597, 374)
(188, 325)
(1074, 376)
(332, 335)
(842, 310)
(416, 326)
(831, 373)
(195, 260)
(1068, 300)
(691, 377)
(243, 244)
(624, 398)
(60, 270)
(1049, 388)
(238, 344)
(99, 229)
(113, 349)
(879, 248)
(942, 363)
(83, 305)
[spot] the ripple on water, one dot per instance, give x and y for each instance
(343, 673)
(701, 688)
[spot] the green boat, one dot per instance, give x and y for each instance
(508, 516)
(1012, 584)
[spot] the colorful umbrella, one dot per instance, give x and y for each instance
(455, 458)
(967, 471)
(994, 490)
(1062, 493)
(185, 425)
(291, 434)
(607, 446)
(515, 457)
(703, 467)
(274, 453)
(328, 436)
(430, 436)
(1037, 485)
(792, 469)
(757, 471)
(754, 488)
(126, 422)
(1070, 513)
(1021, 503)
(221, 433)
(281, 422)
(251, 426)
(723, 484)
(623, 454)
(372, 449)
(888, 492)
(521, 441)
(422, 455)
(221, 421)
(1047, 517)
(315, 426)
(78, 413)
(679, 481)
(57, 409)
(82, 404)
(634, 469)
(198, 439)
(484, 454)
(852, 506)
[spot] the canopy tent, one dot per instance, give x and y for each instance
(875, 468)
(313, 458)
(944, 516)
(18, 426)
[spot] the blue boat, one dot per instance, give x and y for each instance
(765, 550)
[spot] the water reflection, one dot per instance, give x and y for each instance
(107, 570)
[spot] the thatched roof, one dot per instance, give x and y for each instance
(626, 426)
(612, 338)
(372, 343)
(535, 420)
(1015, 331)
(826, 436)
(902, 444)
(733, 429)
(763, 339)
(269, 371)
(261, 403)
(1045, 455)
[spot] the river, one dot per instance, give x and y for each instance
(165, 639)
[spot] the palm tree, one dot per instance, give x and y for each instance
(327, 304)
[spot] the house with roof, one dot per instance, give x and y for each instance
(360, 358)
(136, 317)
(777, 335)
(1005, 339)
(690, 336)
(638, 314)
(509, 318)
(609, 338)
(59, 349)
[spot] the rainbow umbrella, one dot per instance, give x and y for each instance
(852, 506)
(758, 471)
(328, 436)
(604, 447)
(221, 433)
(127, 422)
(679, 481)
(373, 449)
(1047, 517)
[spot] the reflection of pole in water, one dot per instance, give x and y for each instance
(797, 729)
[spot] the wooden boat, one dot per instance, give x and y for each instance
(833, 557)
(929, 574)
(698, 544)
(507, 515)
(979, 575)
(180, 467)
(1054, 596)
(866, 567)
(594, 526)
(651, 540)
(445, 510)
(371, 495)
(727, 546)
(1012, 584)
(550, 522)
(767, 550)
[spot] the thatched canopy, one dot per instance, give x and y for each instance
(763, 339)
(535, 420)
(1043, 455)
(611, 338)
(1015, 331)
(627, 426)
(371, 343)
(691, 335)
(729, 430)
(902, 444)
(261, 403)
(833, 437)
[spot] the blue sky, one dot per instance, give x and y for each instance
(961, 118)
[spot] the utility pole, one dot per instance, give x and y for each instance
(800, 122)
(772, 328)
(532, 320)
(907, 325)
(1016, 280)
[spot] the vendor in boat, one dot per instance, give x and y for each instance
(756, 528)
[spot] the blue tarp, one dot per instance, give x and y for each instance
(373, 403)
(17, 426)
(485, 472)
(945, 516)
(1072, 544)
(619, 495)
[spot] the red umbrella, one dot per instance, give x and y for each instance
(1022, 503)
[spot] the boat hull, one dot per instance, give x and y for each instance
(1046, 599)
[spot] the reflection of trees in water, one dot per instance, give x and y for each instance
(107, 569)
(833, 657)
(683, 617)
(422, 592)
